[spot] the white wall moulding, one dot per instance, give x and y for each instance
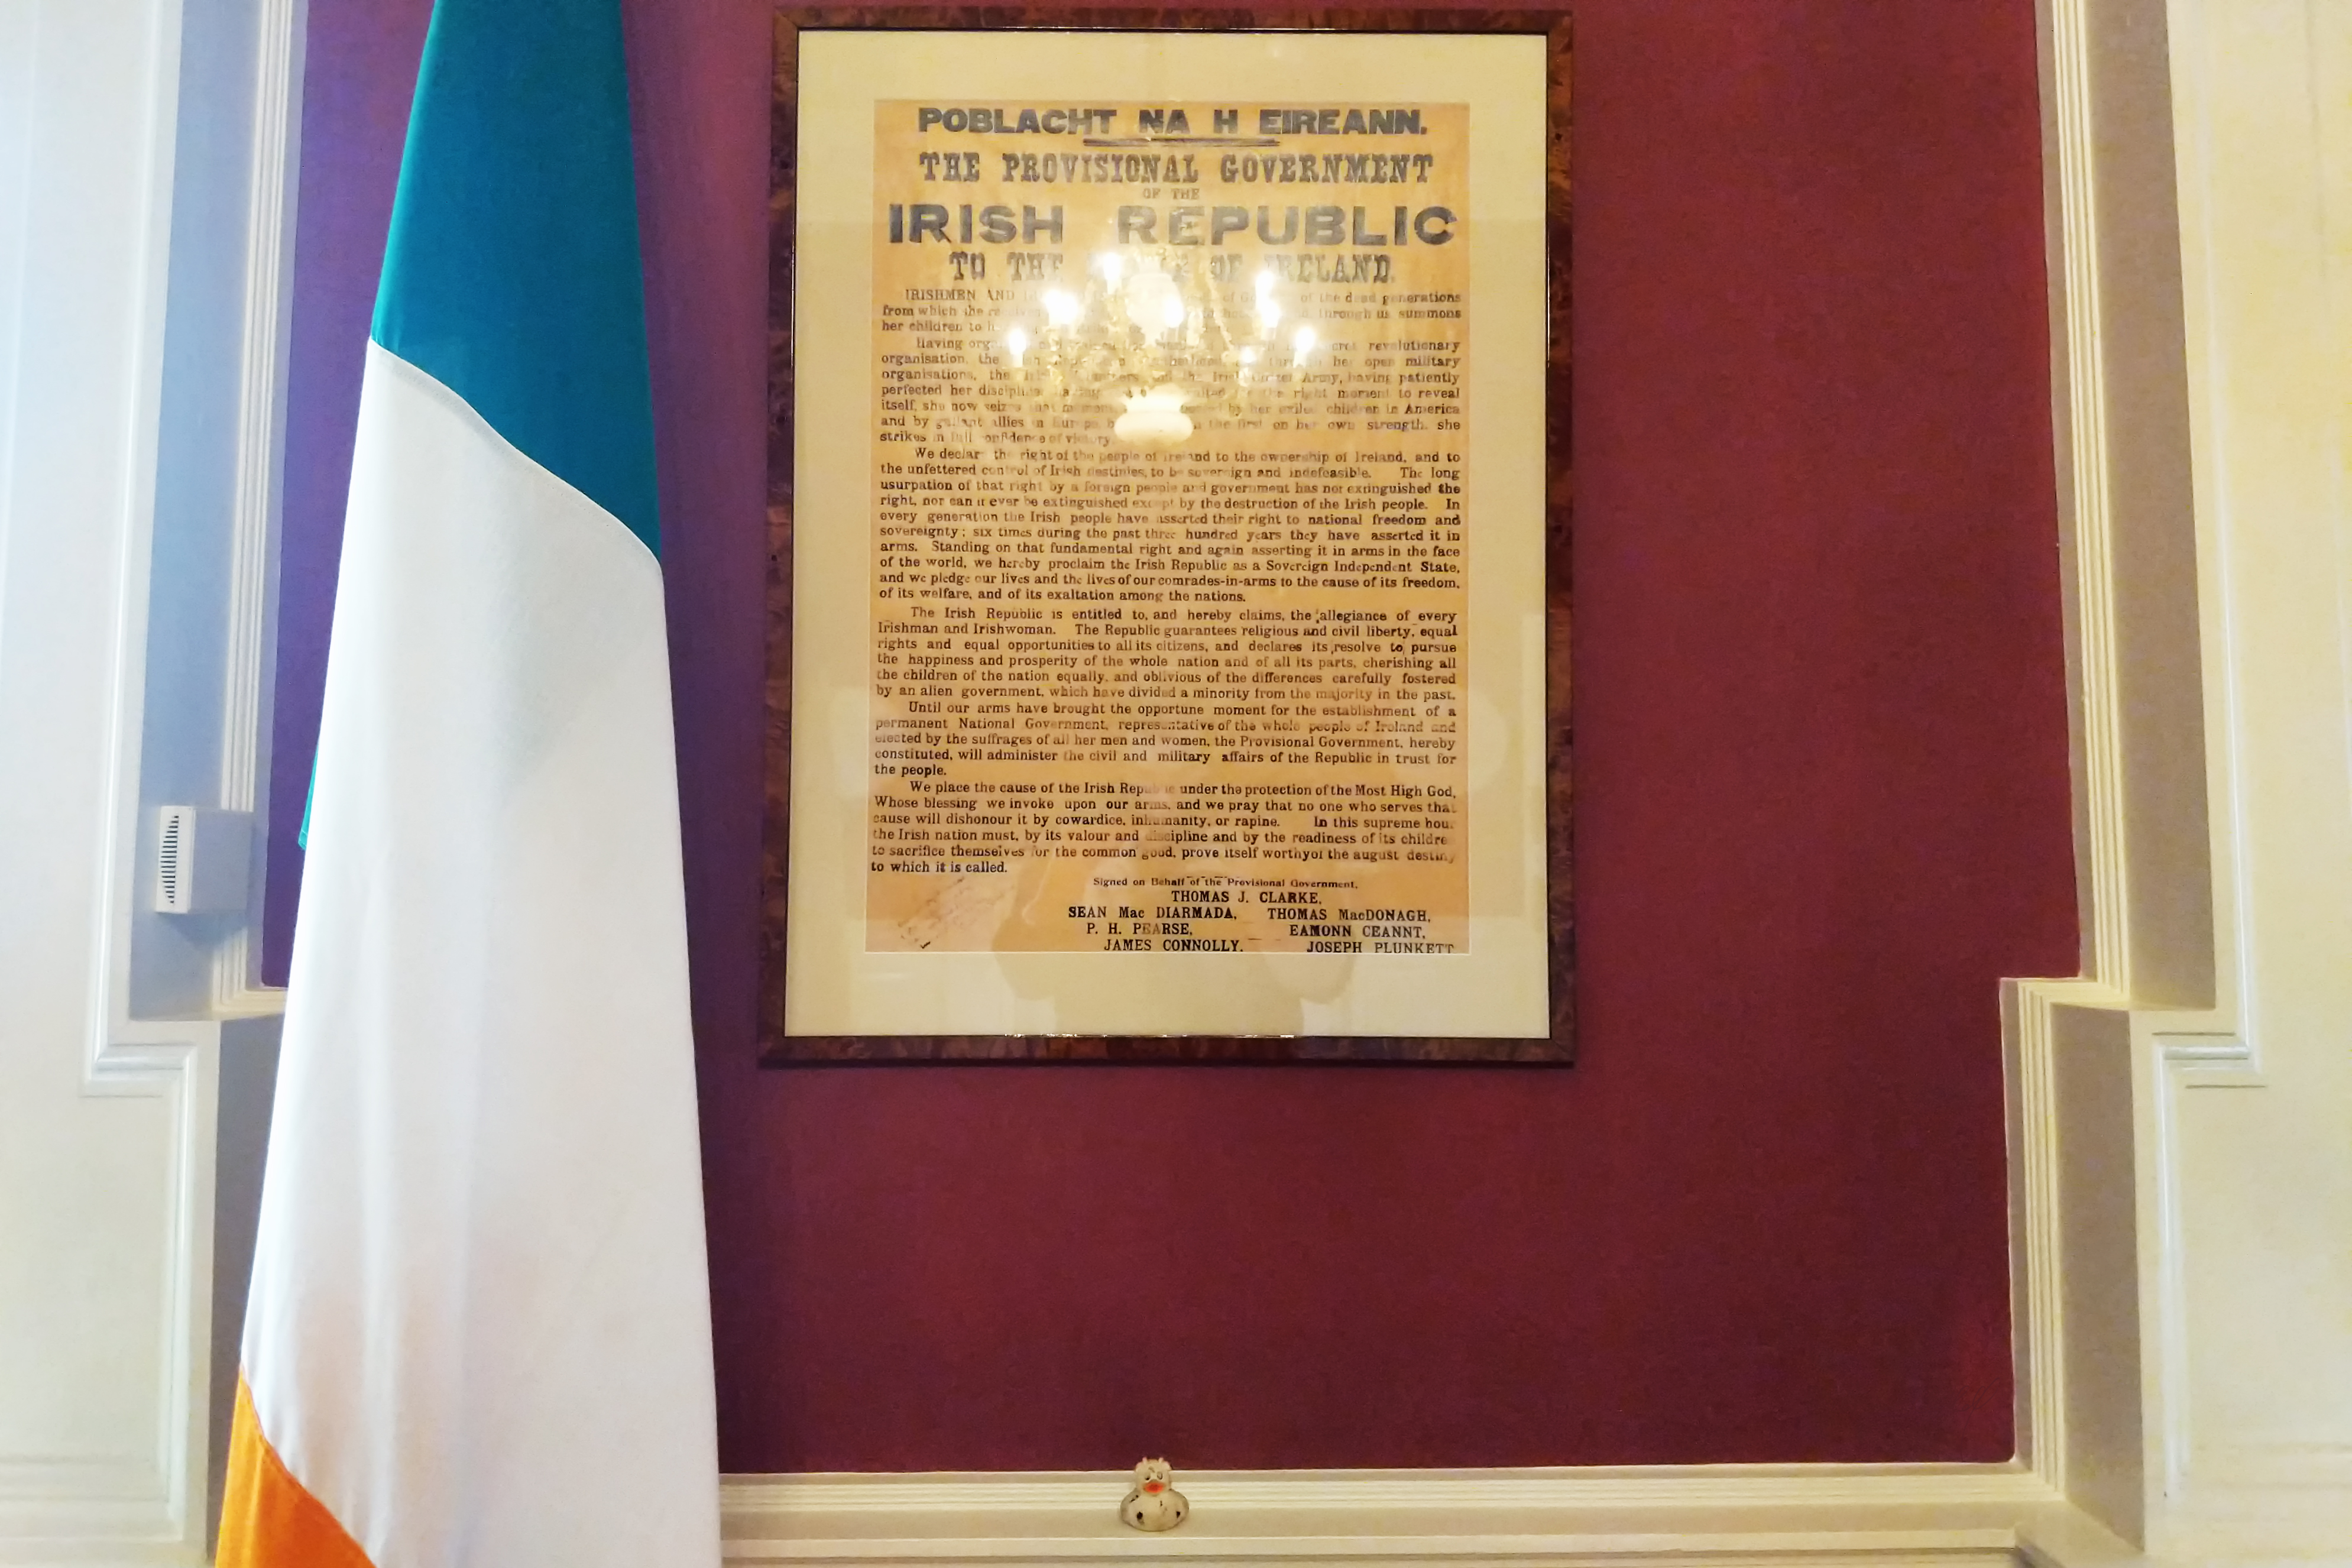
(2250, 1192)
(1793, 1514)
(2087, 536)
(2075, 1274)
(207, 645)
(249, 660)
(2126, 536)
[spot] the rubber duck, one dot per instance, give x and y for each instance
(1154, 1503)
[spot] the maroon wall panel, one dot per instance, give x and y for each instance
(1822, 810)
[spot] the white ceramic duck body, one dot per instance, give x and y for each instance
(1153, 1503)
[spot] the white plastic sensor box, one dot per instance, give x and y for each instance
(202, 860)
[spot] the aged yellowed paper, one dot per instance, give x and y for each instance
(1168, 536)
(1192, 683)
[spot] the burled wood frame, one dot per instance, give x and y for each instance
(779, 1049)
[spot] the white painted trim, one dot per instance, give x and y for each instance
(2037, 1254)
(1885, 1514)
(1536, 1487)
(2087, 530)
(2168, 1348)
(252, 640)
(2182, 1059)
(2232, 1018)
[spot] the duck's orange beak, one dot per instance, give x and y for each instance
(1155, 1486)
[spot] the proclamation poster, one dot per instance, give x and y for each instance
(1169, 622)
(1199, 692)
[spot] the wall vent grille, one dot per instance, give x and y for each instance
(171, 857)
(202, 860)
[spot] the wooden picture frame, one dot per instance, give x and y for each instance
(1557, 1046)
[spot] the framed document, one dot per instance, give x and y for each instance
(1168, 508)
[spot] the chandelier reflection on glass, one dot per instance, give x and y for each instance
(1156, 336)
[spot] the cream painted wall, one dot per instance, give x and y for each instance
(2247, 1108)
(2183, 1121)
(102, 1124)
(137, 412)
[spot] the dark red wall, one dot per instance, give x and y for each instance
(1822, 809)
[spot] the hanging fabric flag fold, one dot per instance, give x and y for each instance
(478, 1326)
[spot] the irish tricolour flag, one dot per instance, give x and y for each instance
(478, 1330)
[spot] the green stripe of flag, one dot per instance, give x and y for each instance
(512, 274)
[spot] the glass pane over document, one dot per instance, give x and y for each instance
(1169, 567)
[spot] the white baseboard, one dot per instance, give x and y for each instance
(1956, 1516)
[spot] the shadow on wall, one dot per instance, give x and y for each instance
(248, 1078)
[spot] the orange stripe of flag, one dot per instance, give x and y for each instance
(269, 1520)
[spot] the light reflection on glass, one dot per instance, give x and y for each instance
(1152, 330)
